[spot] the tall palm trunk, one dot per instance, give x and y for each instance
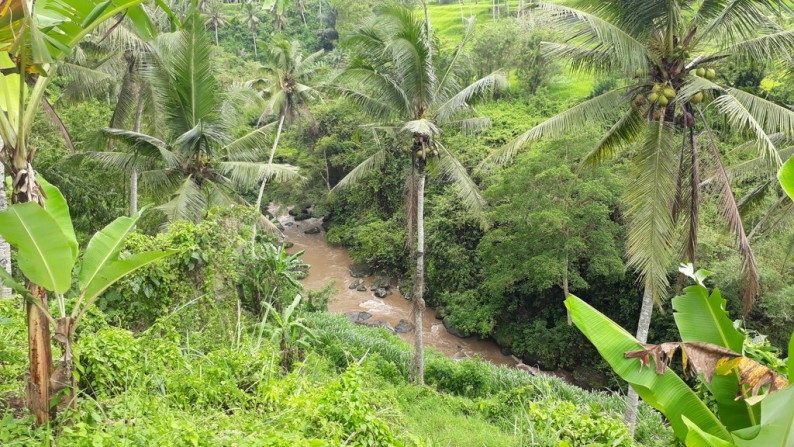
(264, 180)
(418, 363)
(134, 175)
(632, 399)
(253, 36)
(216, 34)
(5, 248)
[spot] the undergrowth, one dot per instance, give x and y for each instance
(168, 386)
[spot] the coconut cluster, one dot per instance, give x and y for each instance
(662, 94)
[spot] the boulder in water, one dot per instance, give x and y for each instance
(404, 326)
(355, 284)
(357, 317)
(361, 287)
(313, 230)
(381, 293)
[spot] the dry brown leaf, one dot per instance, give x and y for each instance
(706, 359)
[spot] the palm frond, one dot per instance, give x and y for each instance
(590, 31)
(594, 110)
(623, 133)
(460, 101)
(250, 146)
(368, 82)
(472, 126)
(780, 212)
(777, 46)
(372, 163)
(467, 191)
(122, 161)
(246, 174)
(187, 202)
(730, 211)
(143, 144)
(650, 198)
(759, 117)
(733, 20)
(421, 127)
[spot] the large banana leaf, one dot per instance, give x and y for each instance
(103, 249)
(45, 252)
(777, 423)
(701, 317)
(666, 392)
(786, 177)
(55, 204)
(698, 438)
(114, 271)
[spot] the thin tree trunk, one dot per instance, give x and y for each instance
(5, 248)
(418, 363)
(134, 175)
(216, 35)
(632, 399)
(264, 182)
(327, 170)
(253, 35)
(565, 292)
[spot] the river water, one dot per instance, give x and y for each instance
(331, 264)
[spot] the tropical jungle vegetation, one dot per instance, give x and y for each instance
(539, 174)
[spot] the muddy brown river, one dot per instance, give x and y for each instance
(331, 264)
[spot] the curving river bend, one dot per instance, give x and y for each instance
(331, 264)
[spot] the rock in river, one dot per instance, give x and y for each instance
(381, 293)
(404, 326)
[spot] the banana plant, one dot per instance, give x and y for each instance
(35, 36)
(753, 402)
(47, 253)
(290, 332)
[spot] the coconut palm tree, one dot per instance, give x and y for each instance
(252, 22)
(196, 163)
(285, 79)
(671, 49)
(395, 78)
(109, 65)
(215, 17)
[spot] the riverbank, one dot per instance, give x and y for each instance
(331, 265)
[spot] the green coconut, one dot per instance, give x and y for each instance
(697, 99)
(663, 101)
(711, 74)
(657, 88)
(700, 72)
(653, 97)
(669, 93)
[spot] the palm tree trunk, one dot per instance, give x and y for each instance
(565, 288)
(264, 181)
(134, 175)
(216, 35)
(632, 399)
(253, 35)
(418, 364)
(5, 248)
